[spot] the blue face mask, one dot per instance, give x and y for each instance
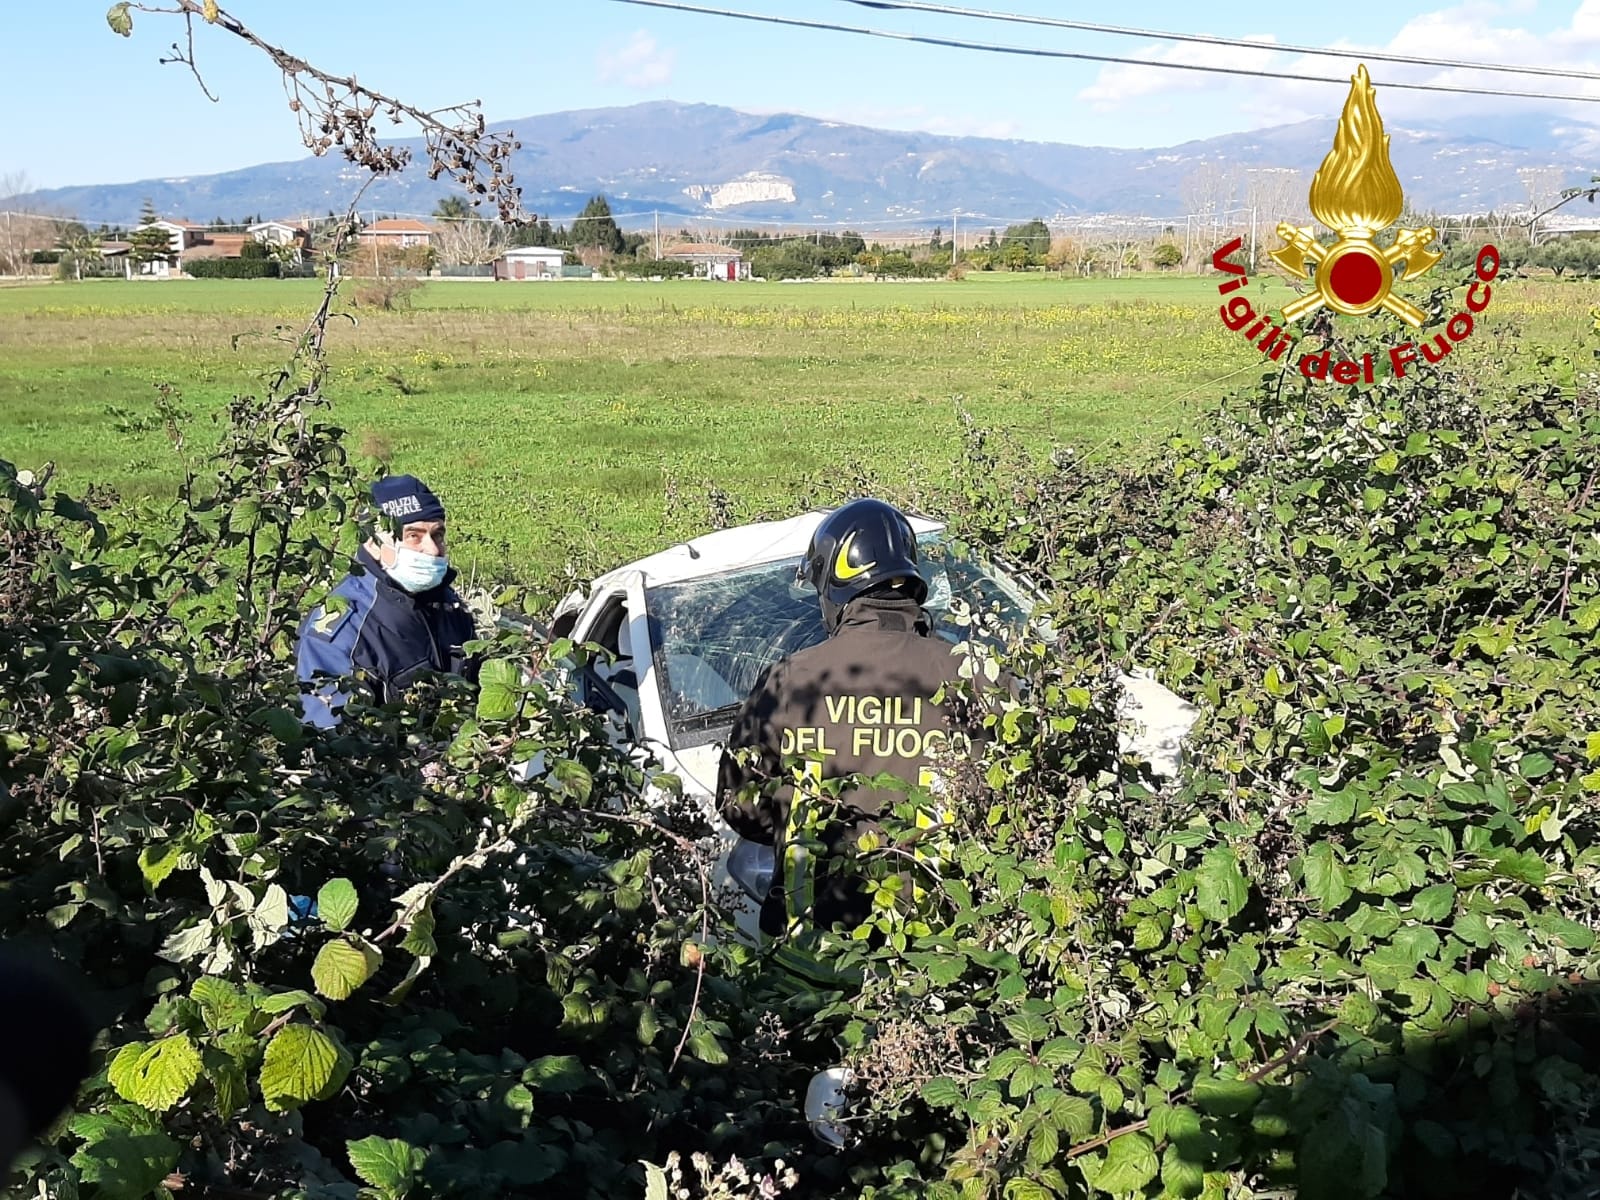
(417, 572)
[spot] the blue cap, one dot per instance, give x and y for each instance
(405, 498)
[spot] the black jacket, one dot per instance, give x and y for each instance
(863, 702)
(384, 632)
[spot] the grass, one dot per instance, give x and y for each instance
(555, 419)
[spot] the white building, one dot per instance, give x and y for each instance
(710, 260)
(530, 262)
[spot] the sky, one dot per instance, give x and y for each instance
(104, 110)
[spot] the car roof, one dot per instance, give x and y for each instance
(730, 549)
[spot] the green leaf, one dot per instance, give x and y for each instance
(284, 725)
(157, 1075)
(1434, 903)
(269, 917)
(184, 944)
(1326, 879)
(344, 965)
(574, 778)
(222, 1005)
(119, 19)
(1222, 889)
(499, 683)
(1147, 934)
(337, 903)
(1027, 1028)
(1179, 1176)
(705, 1046)
(1044, 1145)
(1416, 942)
(1535, 766)
(1343, 1155)
(519, 1100)
(124, 1165)
(1225, 1097)
(419, 937)
(1129, 1164)
(1027, 1189)
(1274, 682)
(1074, 1115)
(389, 1164)
(1058, 1052)
(228, 1082)
(301, 1064)
(649, 1025)
(559, 1074)
(1330, 808)
(280, 1002)
(1473, 929)
(655, 1182)
(941, 1092)
(157, 862)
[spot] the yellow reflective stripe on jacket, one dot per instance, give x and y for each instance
(808, 963)
(799, 889)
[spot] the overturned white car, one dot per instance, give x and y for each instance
(692, 627)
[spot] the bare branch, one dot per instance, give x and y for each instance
(337, 110)
(187, 58)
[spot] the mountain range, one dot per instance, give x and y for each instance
(699, 160)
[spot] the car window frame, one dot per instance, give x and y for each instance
(691, 733)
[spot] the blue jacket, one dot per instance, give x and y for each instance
(385, 634)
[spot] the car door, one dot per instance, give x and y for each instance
(616, 619)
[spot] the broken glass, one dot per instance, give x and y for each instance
(713, 637)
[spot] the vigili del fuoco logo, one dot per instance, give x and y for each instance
(1356, 194)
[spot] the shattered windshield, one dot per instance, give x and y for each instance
(713, 637)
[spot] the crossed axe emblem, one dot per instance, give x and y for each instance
(1302, 252)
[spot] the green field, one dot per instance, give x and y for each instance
(555, 419)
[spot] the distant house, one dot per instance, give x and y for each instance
(191, 242)
(530, 262)
(401, 232)
(119, 253)
(181, 235)
(184, 234)
(1570, 223)
(710, 261)
(283, 233)
(216, 245)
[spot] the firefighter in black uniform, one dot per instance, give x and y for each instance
(862, 702)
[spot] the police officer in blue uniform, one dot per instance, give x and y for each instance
(396, 618)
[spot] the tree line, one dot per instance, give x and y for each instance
(595, 239)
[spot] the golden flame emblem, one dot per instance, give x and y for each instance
(1356, 194)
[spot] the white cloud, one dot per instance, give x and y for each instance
(1475, 29)
(1116, 85)
(640, 63)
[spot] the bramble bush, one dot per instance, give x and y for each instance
(1349, 952)
(505, 985)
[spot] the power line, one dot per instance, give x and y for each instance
(1040, 52)
(1210, 40)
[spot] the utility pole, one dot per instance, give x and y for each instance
(955, 219)
(1252, 237)
(658, 235)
